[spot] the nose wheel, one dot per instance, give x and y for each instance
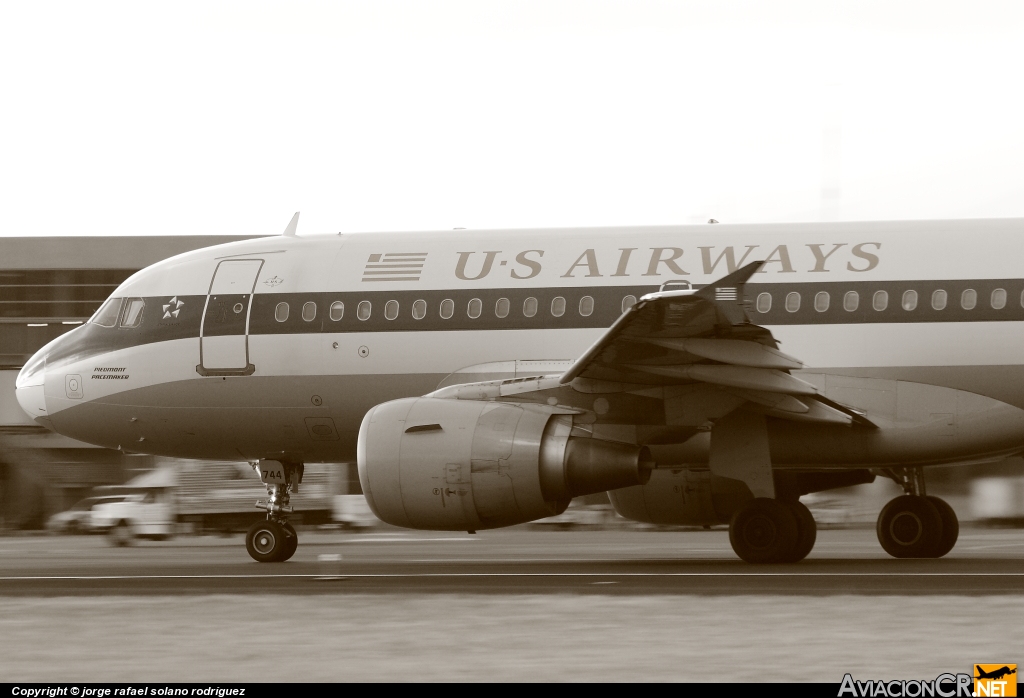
(271, 541)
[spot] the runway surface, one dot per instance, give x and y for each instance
(521, 560)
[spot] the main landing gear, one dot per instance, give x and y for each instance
(773, 530)
(915, 524)
(275, 540)
(772, 527)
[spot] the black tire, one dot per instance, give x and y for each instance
(950, 527)
(265, 541)
(806, 531)
(120, 536)
(909, 526)
(765, 530)
(291, 542)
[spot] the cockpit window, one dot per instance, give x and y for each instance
(108, 313)
(133, 312)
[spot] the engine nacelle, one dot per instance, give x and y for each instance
(466, 465)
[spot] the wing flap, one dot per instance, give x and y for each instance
(732, 351)
(743, 377)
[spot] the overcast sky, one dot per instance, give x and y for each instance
(143, 118)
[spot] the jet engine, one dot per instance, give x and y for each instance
(453, 465)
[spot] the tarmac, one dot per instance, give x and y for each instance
(521, 560)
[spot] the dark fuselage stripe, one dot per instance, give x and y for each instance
(159, 325)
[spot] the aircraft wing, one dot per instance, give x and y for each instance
(687, 337)
(673, 363)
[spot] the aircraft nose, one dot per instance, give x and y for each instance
(29, 386)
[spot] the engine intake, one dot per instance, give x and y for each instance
(442, 464)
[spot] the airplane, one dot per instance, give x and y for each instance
(996, 674)
(698, 374)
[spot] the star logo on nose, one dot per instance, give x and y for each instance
(172, 308)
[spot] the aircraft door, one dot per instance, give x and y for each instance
(224, 334)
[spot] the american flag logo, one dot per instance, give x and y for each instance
(395, 266)
(726, 293)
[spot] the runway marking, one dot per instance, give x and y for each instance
(412, 575)
(398, 540)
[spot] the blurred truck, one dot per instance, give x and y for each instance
(200, 497)
(998, 501)
(352, 511)
(79, 518)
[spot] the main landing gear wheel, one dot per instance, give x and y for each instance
(806, 531)
(267, 541)
(950, 527)
(765, 530)
(291, 542)
(911, 526)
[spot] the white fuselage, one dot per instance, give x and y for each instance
(238, 354)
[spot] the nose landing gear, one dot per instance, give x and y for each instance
(915, 525)
(275, 540)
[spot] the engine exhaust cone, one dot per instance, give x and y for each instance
(594, 466)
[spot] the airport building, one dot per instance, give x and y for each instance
(49, 286)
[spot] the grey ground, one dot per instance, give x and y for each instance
(504, 605)
(519, 560)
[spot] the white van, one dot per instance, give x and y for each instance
(139, 515)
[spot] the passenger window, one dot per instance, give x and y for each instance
(363, 310)
(501, 308)
(337, 310)
(447, 308)
(419, 310)
(850, 301)
(968, 299)
(998, 299)
(281, 312)
(558, 306)
(880, 301)
(628, 302)
(821, 300)
(133, 313)
(909, 300)
(530, 307)
(938, 299)
(475, 307)
(308, 311)
(793, 302)
(764, 302)
(586, 306)
(391, 310)
(108, 313)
